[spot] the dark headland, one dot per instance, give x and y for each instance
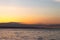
(28, 26)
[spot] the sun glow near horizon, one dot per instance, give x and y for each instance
(30, 12)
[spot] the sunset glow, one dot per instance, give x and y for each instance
(30, 11)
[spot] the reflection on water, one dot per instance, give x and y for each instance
(29, 34)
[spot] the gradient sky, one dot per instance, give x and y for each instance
(30, 11)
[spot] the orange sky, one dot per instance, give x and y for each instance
(22, 14)
(30, 12)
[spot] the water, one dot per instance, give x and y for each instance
(29, 34)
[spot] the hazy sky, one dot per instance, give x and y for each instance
(30, 11)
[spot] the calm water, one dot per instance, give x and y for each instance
(29, 34)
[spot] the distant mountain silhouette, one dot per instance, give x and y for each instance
(11, 24)
(19, 25)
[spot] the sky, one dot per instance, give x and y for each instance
(30, 11)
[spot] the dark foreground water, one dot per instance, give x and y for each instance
(29, 34)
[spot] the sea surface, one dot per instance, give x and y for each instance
(29, 34)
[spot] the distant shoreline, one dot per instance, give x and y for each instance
(26, 28)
